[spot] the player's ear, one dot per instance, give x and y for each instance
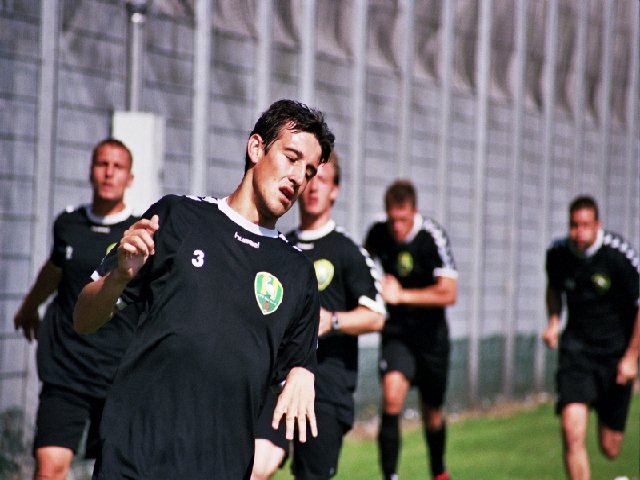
(255, 148)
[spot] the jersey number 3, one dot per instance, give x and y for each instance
(198, 258)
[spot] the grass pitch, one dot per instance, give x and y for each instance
(523, 444)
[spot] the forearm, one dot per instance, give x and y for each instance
(360, 320)
(633, 348)
(441, 294)
(96, 303)
(46, 283)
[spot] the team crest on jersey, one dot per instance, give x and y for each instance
(324, 272)
(110, 247)
(602, 282)
(405, 264)
(269, 292)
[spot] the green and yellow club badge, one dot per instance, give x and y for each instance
(324, 272)
(601, 282)
(269, 292)
(110, 247)
(405, 264)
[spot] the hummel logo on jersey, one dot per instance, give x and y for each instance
(324, 272)
(198, 258)
(269, 292)
(246, 241)
(68, 252)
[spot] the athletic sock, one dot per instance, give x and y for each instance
(389, 444)
(436, 440)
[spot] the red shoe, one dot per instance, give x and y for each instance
(442, 476)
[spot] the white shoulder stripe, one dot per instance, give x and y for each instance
(442, 242)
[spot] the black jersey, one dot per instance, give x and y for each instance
(83, 363)
(601, 289)
(345, 275)
(230, 308)
(416, 263)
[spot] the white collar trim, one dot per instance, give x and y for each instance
(417, 225)
(323, 231)
(235, 217)
(112, 219)
(591, 251)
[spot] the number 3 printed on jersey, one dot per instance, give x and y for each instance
(198, 258)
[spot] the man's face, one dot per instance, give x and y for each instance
(281, 174)
(110, 173)
(400, 220)
(583, 228)
(321, 192)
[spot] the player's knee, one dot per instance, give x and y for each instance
(610, 447)
(52, 469)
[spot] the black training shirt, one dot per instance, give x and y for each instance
(416, 263)
(230, 309)
(83, 363)
(345, 275)
(601, 290)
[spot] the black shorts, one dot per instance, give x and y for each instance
(425, 368)
(317, 458)
(62, 419)
(584, 378)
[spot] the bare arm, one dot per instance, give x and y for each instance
(97, 301)
(443, 293)
(355, 322)
(628, 365)
(554, 309)
(27, 317)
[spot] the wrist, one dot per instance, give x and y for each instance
(335, 321)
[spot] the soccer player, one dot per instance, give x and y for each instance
(595, 273)
(76, 370)
(230, 309)
(420, 281)
(350, 305)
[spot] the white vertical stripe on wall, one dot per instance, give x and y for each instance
(406, 95)
(550, 46)
(511, 304)
(608, 13)
(446, 85)
(308, 53)
(633, 133)
(264, 25)
(483, 67)
(358, 94)
(201, 87)
(580, 94)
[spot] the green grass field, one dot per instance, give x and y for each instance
(524, 445)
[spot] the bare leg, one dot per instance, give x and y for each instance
(53, 463)
(610, 441)
(574, 428)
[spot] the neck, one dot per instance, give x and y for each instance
(314, 222)
(103, 208)
(243, 202)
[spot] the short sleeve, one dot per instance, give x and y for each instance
(298, 347)
(58, 248)
(360, 274)
(554, 278)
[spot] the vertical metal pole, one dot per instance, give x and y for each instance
(580, 95)
(137, 11)
(201, 101)
(406, 88)
(308, 53)
(358, 95)
(446, 67)
(511, 307)
(263, 60)
(545, 179)
(43, 187)
(483, 56)
(632, 154)
(608, 12)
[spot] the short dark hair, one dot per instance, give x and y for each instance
(112, 142)
(335, 160)
(584, 201)
(292, 115)
(399, 193)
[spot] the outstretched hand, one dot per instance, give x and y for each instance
(136, 246)
(296, 403)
